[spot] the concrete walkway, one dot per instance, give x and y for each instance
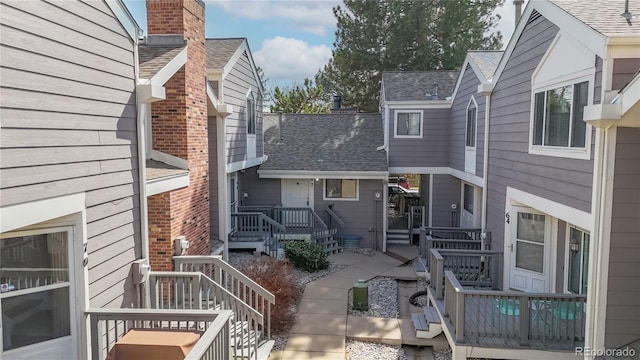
(322, 324)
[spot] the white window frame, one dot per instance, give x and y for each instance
(395, 124)
(324, 191)
(250, 97)
(567, 252)
(563, 151)
(475, 128)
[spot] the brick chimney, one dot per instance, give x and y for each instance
(179, 128)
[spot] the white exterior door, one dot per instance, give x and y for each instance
(529, 250)
(297, 193)
(37, 295)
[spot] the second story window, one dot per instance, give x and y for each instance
(408, 124)
(558, 114)
(251, 114)
(472, 112)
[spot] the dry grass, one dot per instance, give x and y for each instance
(277, 277)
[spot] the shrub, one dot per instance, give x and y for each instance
(306, 256)
(276, 276)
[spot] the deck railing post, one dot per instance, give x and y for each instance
(423, 243)
(524, 319)
(439, 277)
(429, 245)
(495, 261)
(459, 317)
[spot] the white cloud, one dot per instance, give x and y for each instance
(290, 59)
(311, 16)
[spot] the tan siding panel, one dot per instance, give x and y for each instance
(54, 155)
(31, 119)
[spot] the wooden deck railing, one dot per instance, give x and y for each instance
(476, 268)
(265, 209)
(110, 325)
(195, 290)
(232, 280)
(448, 238)
(301, 220)
(514, 319)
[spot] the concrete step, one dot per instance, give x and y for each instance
(398, 231)
(398, 237)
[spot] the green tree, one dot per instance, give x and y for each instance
(305, 99)
(384, 35)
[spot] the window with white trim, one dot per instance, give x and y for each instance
(251, 114)
(346, 189)
(468, 198)
(558, 116)
(472, 118)
(578, 261)
(408, 124)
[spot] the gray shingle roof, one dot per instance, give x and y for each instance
(487, 61)
(604, 16)
(158, 169)
(219, 51)
(324, 142)
(152, 58)
(415, 85)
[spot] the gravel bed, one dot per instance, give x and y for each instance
(383, 299)
(360, 350)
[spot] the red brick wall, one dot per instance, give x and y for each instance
(179, 128)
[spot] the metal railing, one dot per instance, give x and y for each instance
(533, 320)
(110, 325)
(232, 280)
(476, 268)
(195, 290)
(449, 238)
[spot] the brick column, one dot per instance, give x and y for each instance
(179, 128)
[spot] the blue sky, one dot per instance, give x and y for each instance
(289, 39)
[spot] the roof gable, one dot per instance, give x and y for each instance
(222, 55)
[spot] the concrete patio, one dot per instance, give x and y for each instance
(323, 324)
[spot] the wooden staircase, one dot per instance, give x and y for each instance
(398, 236)
(427, 323)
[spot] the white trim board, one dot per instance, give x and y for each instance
(168, 183)
(563, 212)
(125, 18)
(420, 105)
(244, 46)
(20, 215)
(464, 176)
(303, 174)
(245, 164)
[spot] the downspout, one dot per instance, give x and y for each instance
(144, 111)
(485, 161)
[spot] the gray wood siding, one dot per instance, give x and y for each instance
(260, 191)
(623, 307)
(214, 213)
(457, 133)
(68, 119)
(359, 216)
(429, 151)
(623, 71)
(236, 85)
(446, 191)
(563, 180)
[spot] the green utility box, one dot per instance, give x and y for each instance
(361, 296)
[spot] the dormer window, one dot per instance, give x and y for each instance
(251, 114)
(472, 118)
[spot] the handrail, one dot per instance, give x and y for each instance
(211, 345)
(479, 269)
(318, 222)
(333, 215)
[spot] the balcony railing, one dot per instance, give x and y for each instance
(449, 238)
(473, 268)
(301, 220)
(110, 325)
(514, 319)
(229, 278)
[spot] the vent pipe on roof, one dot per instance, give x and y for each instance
(337, 102)
(280, 128)
(626, 14)
(518, 4)
(434, 92)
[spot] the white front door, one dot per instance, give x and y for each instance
(297, 193)
(37, 295)
(529, 250)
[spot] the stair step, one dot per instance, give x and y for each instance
(419, 322)
(264, 350)
(431, 315)
(398, 231)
